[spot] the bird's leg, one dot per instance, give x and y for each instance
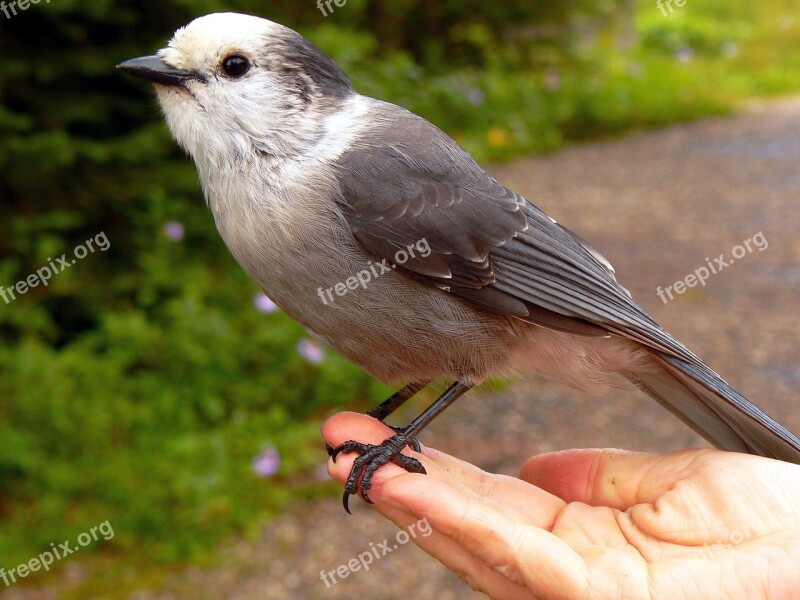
(391, 404)
(387, 407)
(372, 456)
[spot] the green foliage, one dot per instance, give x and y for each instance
(151, 417)
(139, 385)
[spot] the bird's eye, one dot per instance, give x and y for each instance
(235, 65)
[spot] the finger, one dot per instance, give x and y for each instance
(615, 478)
(454, 556)
(524, 555)
(516, 499)
(507, 491)
(345, 426)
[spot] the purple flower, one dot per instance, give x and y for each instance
(174, 231)
(310, 351)
(267, 462)
(475, 96)
(552, 79)
(684, 54)
(264, 304)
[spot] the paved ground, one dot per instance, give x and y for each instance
(656, 204)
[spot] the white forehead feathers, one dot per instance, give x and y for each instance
(203, 41)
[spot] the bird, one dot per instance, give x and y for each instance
(387, 241)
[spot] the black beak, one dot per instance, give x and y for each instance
(152, 68)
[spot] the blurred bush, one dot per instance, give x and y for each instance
(141, 383)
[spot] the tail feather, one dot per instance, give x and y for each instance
(700, 398)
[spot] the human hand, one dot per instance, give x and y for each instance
(595, 524)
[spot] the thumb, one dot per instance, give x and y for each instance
(615, 478)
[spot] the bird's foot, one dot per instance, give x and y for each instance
(376, 414)
(412, 442)
(371, 458)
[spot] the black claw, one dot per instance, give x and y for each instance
(329, 449)
(351, 446)
(371, 458)
(412, 465)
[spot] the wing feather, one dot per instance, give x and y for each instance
(407, 181)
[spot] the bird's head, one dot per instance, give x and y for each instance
(236, 86)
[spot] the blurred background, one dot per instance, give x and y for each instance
(153, 386)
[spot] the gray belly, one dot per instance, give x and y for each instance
(394, 327)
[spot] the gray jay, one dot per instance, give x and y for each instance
(309, 182)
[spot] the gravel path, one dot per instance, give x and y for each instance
(656, 204)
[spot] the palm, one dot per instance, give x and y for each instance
(601, 524)
(696, 524)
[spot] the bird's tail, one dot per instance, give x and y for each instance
(701, 399)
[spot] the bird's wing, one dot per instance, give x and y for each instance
(491, 247)
(408, 181)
